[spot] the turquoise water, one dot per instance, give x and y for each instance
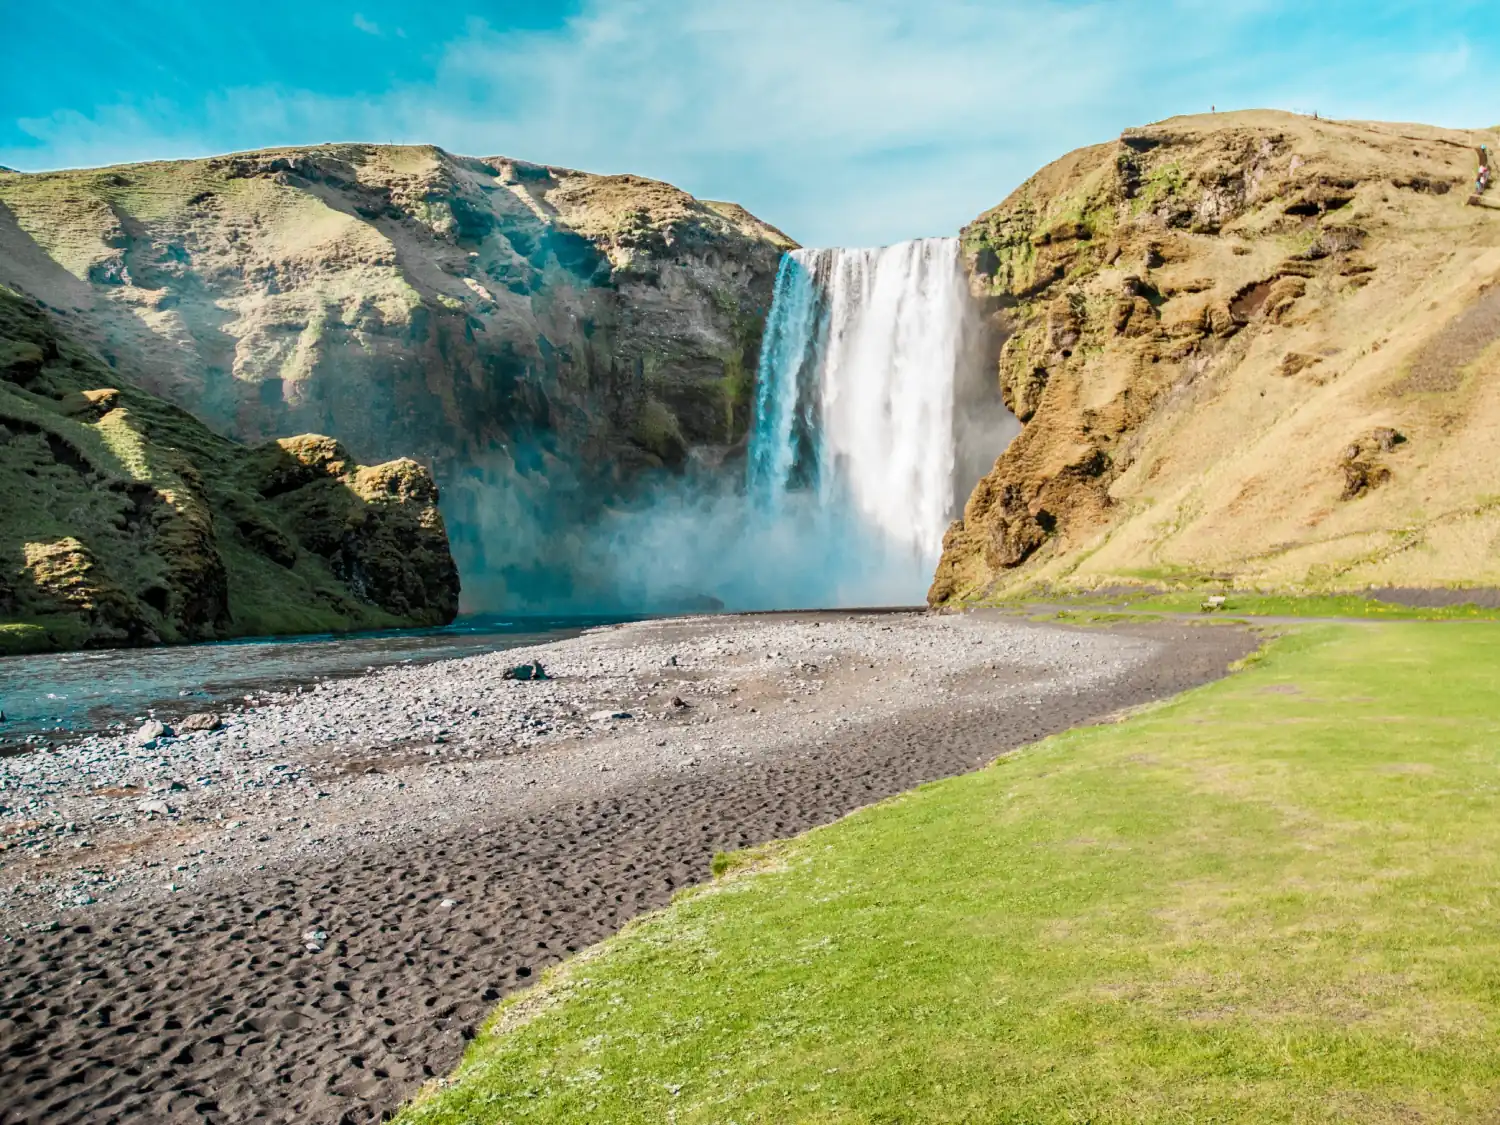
(79, 692)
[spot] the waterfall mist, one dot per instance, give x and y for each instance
(876, 411)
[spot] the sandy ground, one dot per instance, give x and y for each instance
(302, 916)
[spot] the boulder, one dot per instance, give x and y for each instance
(531, 671)
(152, 730)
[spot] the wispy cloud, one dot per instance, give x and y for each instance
(369, 27)
(852, 121)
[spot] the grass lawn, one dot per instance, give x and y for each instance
(1276, 898)
(1314, 605)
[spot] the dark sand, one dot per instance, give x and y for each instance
(206, 1007)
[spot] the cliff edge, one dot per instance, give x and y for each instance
(540, 338)
(1251, 348)
(406, 299)
(127, 522)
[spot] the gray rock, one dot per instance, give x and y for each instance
(150, 731)
(204, 721)
(532, 671)
(159, 808)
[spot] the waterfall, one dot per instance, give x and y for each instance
(876, 411)
(866, 356)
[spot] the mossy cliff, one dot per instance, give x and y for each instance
(1251, 348)
(542, 339)
(125, 521)
(408, 300)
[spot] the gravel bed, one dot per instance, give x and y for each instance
(344, 877)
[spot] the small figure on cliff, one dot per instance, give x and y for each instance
(1482, 180)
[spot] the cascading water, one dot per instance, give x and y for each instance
(876, 412)
(857, 437)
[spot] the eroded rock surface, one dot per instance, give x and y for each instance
(410, 301)
(125, 521)
(1213, 324)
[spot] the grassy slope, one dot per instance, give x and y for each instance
(1243, 604)
(1184, 434)
(1268, 900)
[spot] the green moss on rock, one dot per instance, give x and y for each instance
(128, 522)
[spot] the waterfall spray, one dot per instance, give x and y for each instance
(876, 410)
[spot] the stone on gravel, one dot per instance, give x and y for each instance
(204, 721)
(531, 671)
(150, 731)
(158, 808)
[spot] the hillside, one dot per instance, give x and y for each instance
(510, 325)
(128, 522)
(1247, 348)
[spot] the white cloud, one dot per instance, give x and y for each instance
(841, 121)
(369, 27)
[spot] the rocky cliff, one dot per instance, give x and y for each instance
(488, 317)
(125, 521)
(1249, 348)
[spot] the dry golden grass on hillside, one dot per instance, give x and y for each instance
(1253, 348)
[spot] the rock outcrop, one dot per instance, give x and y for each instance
(1254, 348)
(126, 522)
(538, 337)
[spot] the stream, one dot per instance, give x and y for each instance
(74, 693)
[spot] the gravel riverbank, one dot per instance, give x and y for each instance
(300, 915)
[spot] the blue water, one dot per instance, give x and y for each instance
(78, 692)
(782, 446)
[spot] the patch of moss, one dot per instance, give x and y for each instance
(657, 432)
(1162, 182)
(17, 638)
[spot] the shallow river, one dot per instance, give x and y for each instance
(76, 692)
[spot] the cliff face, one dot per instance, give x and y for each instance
(1251, 348)
(125, 521)
(484, 316)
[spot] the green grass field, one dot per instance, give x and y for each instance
(1314, 605)
(1276, 898)
(1241, 603)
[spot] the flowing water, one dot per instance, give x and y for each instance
(876, 412)
(78, 692)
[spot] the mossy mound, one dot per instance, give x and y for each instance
(128, 522)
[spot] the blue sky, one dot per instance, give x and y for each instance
(842, 122)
